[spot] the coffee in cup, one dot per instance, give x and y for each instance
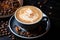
(28, 15)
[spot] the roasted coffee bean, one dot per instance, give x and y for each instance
(13, 38)
(9, 10)
(2, 34)
(1, 30)
(8, 33)
(6, 2)
(2, 26)
(9, 36)
(24, 33)
(30, 35)
(27, 33)
(4, 12)
(0, 14)
(17, 28)
(12, 35)
(21, 33)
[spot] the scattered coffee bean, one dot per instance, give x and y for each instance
(17, 28)
(2, 34)
(5, 33)
(12, 35)
(2, 26)
(21, 33)
(0, 14)
(8, 33)
(9, 36)
(27, 33)
(13, 38)
(30, 35)
(1, 30)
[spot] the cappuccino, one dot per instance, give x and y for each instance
(28, 15)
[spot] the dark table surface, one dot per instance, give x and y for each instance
(51, 9)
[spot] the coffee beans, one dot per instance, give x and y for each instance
(17, 29)
(9, 36)
(23, 33)
(7, 7)
(4, 31)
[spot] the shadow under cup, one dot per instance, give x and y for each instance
(28, 27)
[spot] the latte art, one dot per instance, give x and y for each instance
(28, 14)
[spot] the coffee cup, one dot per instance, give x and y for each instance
(28, 17)
(29, 22)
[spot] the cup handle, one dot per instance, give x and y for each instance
(45, 18)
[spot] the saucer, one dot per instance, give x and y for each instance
(45, 25)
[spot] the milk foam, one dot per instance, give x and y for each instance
(26, 15)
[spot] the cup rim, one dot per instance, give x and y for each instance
(29, 23)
